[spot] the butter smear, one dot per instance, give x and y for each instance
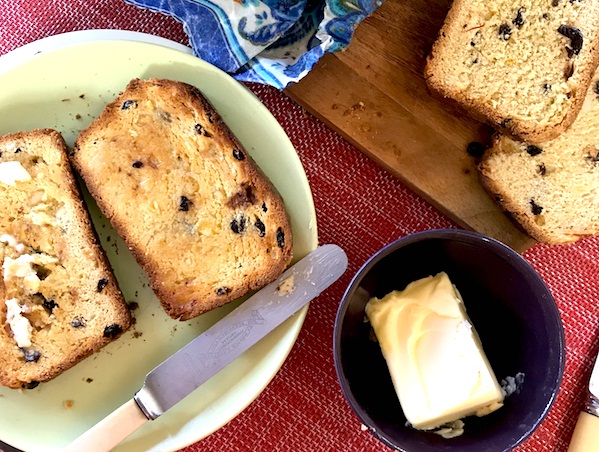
(435, 358)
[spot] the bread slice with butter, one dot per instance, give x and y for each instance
(59, 300)
(200, 217)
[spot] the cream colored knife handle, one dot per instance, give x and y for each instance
(586, 434)
(111, 430)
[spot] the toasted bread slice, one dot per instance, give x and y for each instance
(200, 217)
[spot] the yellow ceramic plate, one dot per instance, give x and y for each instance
(66, 88)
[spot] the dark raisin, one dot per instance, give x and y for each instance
(78, 322)
(101, 284)
(596, 89)
(239, 155)
(184, 203)
(223, 291)
(30, 385)
(569, 70)
(546, 88)
(18, 150)
(137, 164)
(545, 16)
(535, 208)
(112, 330)
(239, 224)
(505, 31)
(575, 37)
(261, 227)
(533, 150)
(555, 3)
(280, 238)
(265, 209)
(50, 305)
(31, 356)
(41, 271)
(202, 130)
(519, 19)
(475, 60)
(472, 43)
(542, 169)
(128, 104)
(243, 198)
(568, 94)
(475, 149)
(209, 116)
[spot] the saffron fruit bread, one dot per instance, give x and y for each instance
(523, 67)
(200, 217)
(551, 189)
(59, 300)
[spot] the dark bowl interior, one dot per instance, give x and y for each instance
(511, 308)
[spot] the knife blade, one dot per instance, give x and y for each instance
(191, 366)
(586, 432)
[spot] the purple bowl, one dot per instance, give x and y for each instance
(512, 310)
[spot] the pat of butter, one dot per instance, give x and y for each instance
(434, 356)
(12, 172)
(20, 326)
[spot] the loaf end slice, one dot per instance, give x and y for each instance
(200, 217)
(59, 300)
(523, 68)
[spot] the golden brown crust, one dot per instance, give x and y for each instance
(74, 279)
(527, 129)
(166, 135)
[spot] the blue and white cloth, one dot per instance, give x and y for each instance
(274, 42)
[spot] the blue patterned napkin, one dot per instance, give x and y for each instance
(274, 42)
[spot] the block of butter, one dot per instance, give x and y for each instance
(434, 355)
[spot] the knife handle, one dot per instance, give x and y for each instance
(586, 434)
(110, 431)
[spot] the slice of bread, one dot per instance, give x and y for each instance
(200, 217)
(59, 300)
(551, 189)
(522, 67)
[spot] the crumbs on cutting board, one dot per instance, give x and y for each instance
(68, 404)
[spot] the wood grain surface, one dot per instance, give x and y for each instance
(375, 96)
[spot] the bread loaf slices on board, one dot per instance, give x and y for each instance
(551, 189)
(523, 67)
(59, 301)
(197, 213)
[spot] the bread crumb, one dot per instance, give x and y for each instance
(286, 286)
(68, 404)
(363, 428)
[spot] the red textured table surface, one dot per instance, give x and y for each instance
(361, 208)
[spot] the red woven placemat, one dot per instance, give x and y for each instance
(361, 208)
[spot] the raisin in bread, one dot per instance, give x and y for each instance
(59, 301)
(200, 217)
(551, 189)
(523, 67)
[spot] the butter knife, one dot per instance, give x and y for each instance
(203, 357)
(586, 432)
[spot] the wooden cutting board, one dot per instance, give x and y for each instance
(375, 96)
